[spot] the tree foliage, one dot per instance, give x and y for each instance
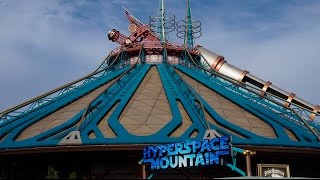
(52, 173)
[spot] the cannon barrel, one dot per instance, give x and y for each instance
(219, 64)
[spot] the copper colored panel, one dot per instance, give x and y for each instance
(132, 28)
(219, 65)
(315, 110)
(265, 87)
(243, 74)
(215, 63)
(290, 97)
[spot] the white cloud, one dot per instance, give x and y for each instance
(283, 50)
(45, 44)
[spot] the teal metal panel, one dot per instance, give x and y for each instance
(128, 79)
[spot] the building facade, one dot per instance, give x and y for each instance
(150, 92)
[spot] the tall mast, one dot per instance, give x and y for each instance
(162, 23)
(187, 29)
(163, 35)
(188, 40)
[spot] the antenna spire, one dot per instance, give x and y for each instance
(187, 29)
(162, 23)
(163, 36)
(188, 39)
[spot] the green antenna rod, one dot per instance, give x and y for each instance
(189, 34)
(187, 29)
(162, 22)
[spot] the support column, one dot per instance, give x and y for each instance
(248, 162)
(248, 155)
(143, 172)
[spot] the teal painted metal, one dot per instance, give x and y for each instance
(162, 23)
(127, 81)
(123, 136)
(187, 91)
(188, 40)
(238, 150)
(107, 61)
(268, 101)
(241, 98)
(187, 29)
(295, 113)
(108, 94)
(122, 91)
(12, 129)
(35, 104)
(233, 165)
(223, 90)
(235, 168)
(151, 175)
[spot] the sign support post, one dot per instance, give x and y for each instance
(248, 155)
(143, 171)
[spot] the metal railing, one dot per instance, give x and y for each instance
(107, 95)
(55, 94)
(187, 92)
(253, 94)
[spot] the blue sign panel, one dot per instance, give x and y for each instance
(187, 154)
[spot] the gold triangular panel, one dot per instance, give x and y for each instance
(103, 125)
(143, 131)
(186, 122)
(62, 115)
(208, 117)
(230, 111)
(150, 107)
(291, 135)
(154, 120)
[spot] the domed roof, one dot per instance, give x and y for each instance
(149, 92)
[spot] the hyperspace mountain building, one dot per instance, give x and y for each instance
(154, 97)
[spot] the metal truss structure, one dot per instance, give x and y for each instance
(119, 77)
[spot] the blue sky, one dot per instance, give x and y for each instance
(45, 44)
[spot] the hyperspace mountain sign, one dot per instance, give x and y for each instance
(187, 154)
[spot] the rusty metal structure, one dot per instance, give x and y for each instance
(150, 91)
